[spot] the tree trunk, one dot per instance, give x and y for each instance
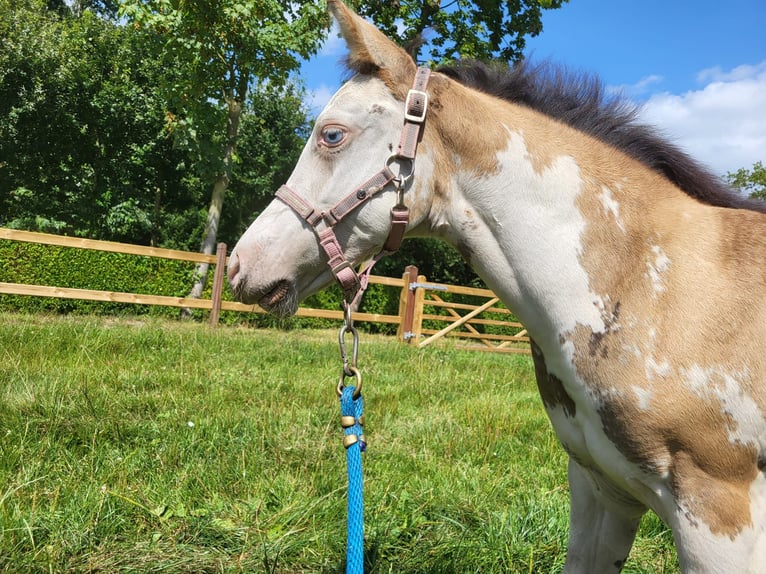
(220, 186)
(211, 234)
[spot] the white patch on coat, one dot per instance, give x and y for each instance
(656, 266)
(654, 369)
(532, 256)
(726, 388)
(611, 206)
(643, 398)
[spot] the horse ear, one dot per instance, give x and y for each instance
(371, 52)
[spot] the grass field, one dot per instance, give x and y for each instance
(156, 446)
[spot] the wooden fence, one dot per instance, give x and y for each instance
(483, 325)
(484, 321)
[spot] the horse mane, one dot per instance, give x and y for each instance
(581, 101)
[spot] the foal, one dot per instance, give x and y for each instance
(640, 279)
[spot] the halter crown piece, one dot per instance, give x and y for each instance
(352, 283)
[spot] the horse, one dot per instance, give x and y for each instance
(638, 274)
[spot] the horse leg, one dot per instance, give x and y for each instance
(602, 524)
(708, 537)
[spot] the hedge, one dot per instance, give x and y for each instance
(38, 264)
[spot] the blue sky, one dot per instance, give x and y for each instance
(698, 67)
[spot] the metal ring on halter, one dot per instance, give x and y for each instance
(402, 178)
(348, 318)
(341, 382)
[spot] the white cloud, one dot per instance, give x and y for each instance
(723, 124)
(317, 98)
(639, 89)
(333, 45)
(716, 74)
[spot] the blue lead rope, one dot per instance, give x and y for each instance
(352, 411)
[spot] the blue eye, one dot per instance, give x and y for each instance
(333, 136)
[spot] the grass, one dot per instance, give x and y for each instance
(157, 446)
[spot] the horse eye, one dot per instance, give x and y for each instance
(333, 136)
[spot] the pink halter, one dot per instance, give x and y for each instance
(352, 283)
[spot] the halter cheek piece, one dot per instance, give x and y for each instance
(352, 283)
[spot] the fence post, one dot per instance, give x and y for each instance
(407, 303)
(411, 306)
(417, 311)
(220, 267)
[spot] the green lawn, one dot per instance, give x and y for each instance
(158, 446)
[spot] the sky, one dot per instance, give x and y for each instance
(697, 67)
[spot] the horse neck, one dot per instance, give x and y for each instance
(550, 218)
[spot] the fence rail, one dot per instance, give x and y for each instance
(469, 319)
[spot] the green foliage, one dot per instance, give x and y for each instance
(435, 259)
(227, 42)
(104, 8)
(221, 49)
(483, 29)
(150, 446)
(272, 133)
(752, 182)
(84, 148)
(81, 141)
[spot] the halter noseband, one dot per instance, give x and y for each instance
(352, 283)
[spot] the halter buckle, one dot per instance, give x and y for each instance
(416, 106)
(341, 266)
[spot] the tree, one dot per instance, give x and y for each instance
(82, 145)
(224, 48)
(85, 137)
(448, 29)
(752, 182)
(273, 131)
(104, 8)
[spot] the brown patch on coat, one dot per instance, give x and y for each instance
(596, 347)
(724, 506)
(453, 127)
(457, 126)
(680, 434)
(709, 314)
(378, 109)
(551, 388)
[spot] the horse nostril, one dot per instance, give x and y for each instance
(233, 269)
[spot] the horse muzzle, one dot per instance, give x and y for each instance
(277, 297)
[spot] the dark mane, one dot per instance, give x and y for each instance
(582, 102)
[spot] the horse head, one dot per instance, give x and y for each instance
(351, 163)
